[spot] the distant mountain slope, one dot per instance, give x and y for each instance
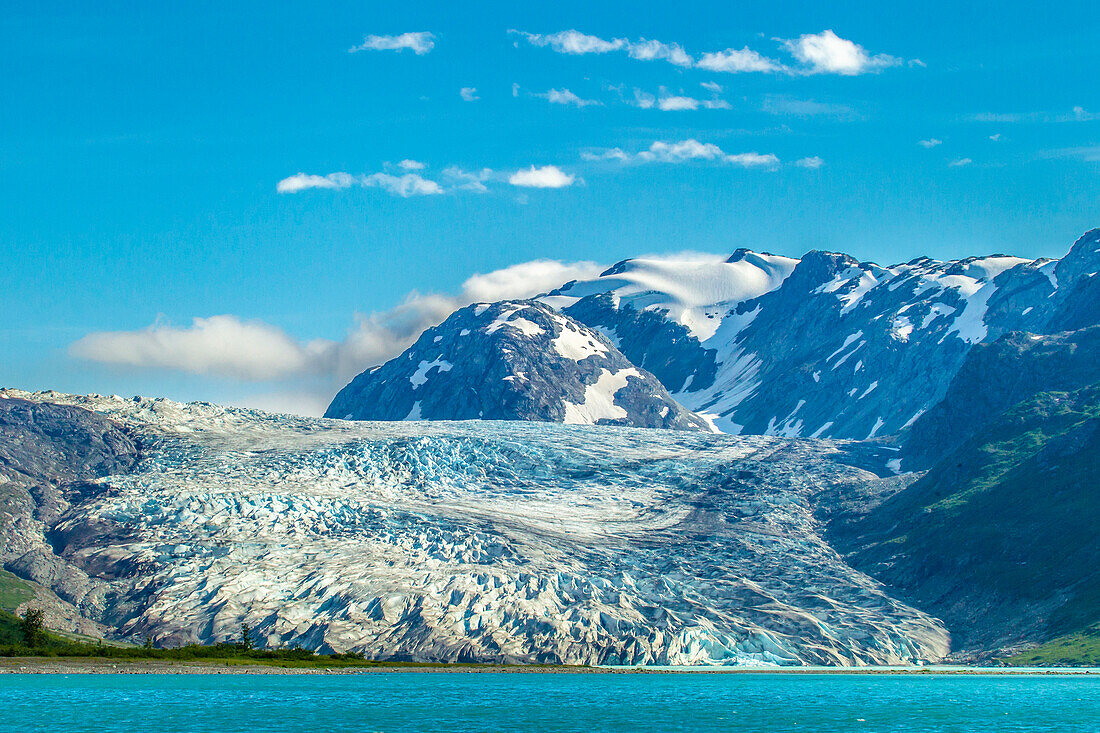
(996, 376)
(514, 360)
(1000, 538)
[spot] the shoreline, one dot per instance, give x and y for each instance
(81, 665)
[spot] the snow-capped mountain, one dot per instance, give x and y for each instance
(448, 541)
(822, 346)
(513, 360)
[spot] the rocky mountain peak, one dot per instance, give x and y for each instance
(513, 360)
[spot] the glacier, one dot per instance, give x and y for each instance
(480, 541)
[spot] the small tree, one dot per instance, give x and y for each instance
(32, 626)
(246, 637)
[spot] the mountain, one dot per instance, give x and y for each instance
(997, 376)
(513, 360)
(999, 538)
(822, 346)
(470, 541)
(51, 456)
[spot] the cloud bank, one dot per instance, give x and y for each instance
(252, 351)
(815, 53)
(684, 151)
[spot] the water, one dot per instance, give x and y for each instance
(547, 702)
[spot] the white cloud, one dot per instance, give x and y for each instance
(221, 346)
(302, 181)
(573, 42)
(458, 179)
(644, 100)
(673, 53)
(412, 165)
(406, 185)
(828, 53)
(929, 143)
(711, 86)
(226, 346)
(548, 176)
(811, 162)
(819, 53)
(782, 105)
(468, 94)
(995, 137)
(753, 160)
(959, 162)
(735, 61)
(684, 151)
(1077, 114)
(673, 103)
(419, 43)
(564, 96)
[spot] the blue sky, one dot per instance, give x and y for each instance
(143, 146)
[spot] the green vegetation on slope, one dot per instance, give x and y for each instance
(1081, 648)
(13, 591)
(1000, 537)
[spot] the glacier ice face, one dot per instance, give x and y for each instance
(516, 542)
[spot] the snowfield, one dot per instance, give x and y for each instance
(517, 542)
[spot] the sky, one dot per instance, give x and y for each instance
(250, 204)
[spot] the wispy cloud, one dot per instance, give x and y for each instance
(684, 151)
(960, 162)
(929, 143)
(457, 179)
(468, 94)
(573, 42)
(812, 162)
(820, 53)
(566, 97)
(828, 53)
(1087, 153)
(548, 176)
(419, 43)
(781, 105)
(674, 103)
(405, 185)
(734, 61)
(668, 102)
(1077, 114)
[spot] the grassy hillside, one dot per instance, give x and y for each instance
(1081, 648)
(1000, 538)
(13, 591)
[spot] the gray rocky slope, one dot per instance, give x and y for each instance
(824, 346)
(513, 360)
(480, 540)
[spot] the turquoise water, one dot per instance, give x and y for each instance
(546, 702)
